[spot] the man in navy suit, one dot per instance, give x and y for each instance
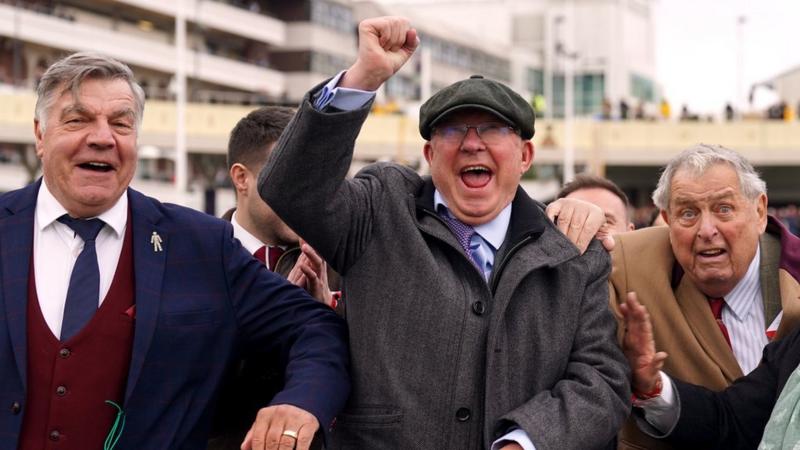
(119, 314)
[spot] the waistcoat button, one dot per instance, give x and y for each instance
(463, 414)
(55, 435)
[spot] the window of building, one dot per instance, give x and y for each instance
(642, 88)
(332, 15)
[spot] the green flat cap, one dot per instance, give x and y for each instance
(479, 93)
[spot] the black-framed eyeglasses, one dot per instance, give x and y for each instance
(490, 132)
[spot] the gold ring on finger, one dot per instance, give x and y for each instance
(290, 433)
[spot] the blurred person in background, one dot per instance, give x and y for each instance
(253, 381)
(604, 193)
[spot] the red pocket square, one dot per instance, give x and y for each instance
(131, 312)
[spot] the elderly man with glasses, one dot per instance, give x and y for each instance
(474, 323)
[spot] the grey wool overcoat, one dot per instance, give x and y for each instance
(440, 358)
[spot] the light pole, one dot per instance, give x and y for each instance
(740, 22)
(569, 106)
(181, 155)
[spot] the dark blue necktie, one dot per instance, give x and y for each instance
(83, 294)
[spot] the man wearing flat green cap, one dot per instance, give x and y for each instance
(474, 322)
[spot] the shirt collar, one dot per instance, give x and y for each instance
(747, 291)
(494, 231)
(249, 242)
(48, 210)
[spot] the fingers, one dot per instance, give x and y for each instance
(564, 218)
(384, 45)
(575, 230)
(570, 221)
(281, 427)
(246, 444)
(608, 242)
(580, 221)
(296, 276)
(311, 255)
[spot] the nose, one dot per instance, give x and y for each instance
(707, 227)
(472, 142)
(100, 137)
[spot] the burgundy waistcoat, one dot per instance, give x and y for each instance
(68, 383)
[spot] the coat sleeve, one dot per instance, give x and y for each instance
(590, 402)
(304, 183)
(277, 318)
(736, 417)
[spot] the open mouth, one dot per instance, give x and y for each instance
(96, 166)
(476, 176)
(711, 253)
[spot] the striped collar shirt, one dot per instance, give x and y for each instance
(743, 315)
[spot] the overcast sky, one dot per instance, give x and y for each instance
(697, 47)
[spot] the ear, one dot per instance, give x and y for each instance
(665, 216)
(631, 226)
(761, 210)
(427, 151)
(239, 175)
(527, 155)
(39, 136)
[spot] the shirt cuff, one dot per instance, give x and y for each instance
(661, 412)
(517, 435)
(344, 99)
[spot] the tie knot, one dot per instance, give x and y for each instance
(716, 305)
(462, 231)
(86, 229)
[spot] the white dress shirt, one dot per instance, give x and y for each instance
(249, 242)
(743, 315)
(56, 247)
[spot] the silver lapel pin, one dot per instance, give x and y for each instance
(155, 239)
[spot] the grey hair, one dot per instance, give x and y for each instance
(700, 158)
(68, 73)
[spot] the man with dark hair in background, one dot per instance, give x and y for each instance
(252, 382)
(605, 194)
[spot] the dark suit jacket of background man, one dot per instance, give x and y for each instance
(734, 419)
(252, 382)
(441, 359)
(197, 301)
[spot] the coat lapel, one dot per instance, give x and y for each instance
(694, 306)
(768, 276)
(149, 264)
(16, 247)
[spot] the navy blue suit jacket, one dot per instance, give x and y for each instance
(735, 418)
(199, 302)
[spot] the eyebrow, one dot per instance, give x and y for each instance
(78, 108)
(727, 194)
